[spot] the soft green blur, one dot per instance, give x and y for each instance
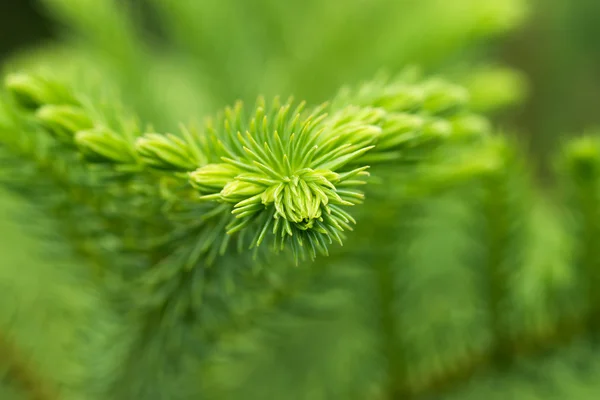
(192, 57)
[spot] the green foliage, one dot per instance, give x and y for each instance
(385, 244)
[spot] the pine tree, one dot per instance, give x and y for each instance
(375, 236)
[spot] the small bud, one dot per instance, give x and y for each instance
(401, 98)
(400, 129)
(443, 98)
(470, 125)
(236, 191)
(485, 164)
(101, 145)
(366, 115)
(32, 92)
(494, 88)
(356, 133)
(63, 121)
(166, 152)
(213, 177)
(437, 128)
(486, 161)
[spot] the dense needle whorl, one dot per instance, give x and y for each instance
(288, 169)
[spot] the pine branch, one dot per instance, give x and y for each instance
(164, 212)
(204, 183)
(204, 176)
(200, 182)
(286, 174)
